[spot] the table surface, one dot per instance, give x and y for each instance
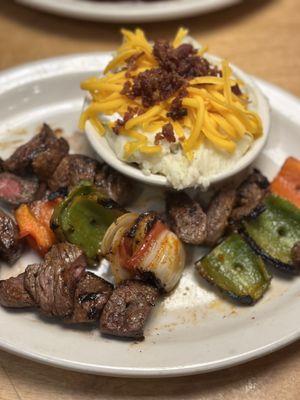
(263, 38)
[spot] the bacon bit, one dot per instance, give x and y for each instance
(153, 86)
(130, 113)
(176, 67)
(176, 110)
(236, 90)
(167, 133)
(182, 60)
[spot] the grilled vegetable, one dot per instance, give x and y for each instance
(143, 246)
(235, 269)
(34, 224)
(84, 217)
(287, 183)
(274, 232)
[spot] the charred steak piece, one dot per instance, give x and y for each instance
(40, 155)
(15, 190)
(250, 194)
(71, 170)
(76, 167)
(128, 308)
(91, 295)
(116, 186)
(187, 219)
(296, 255)
(52, 283)
(10, 245)
(218, 215)
(13, 293)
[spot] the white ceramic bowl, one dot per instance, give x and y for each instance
(259, 103)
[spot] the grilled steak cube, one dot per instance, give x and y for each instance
(296, 255)
(91, 295)
(218, 215)
(186, 217)
(52, 283)
(15, 190)
(128, 308)
(73, 169)
(10, 245)
(40, 155)
(13, 293)
(117, 187)
(250, 195)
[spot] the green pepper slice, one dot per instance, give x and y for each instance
(236, 270)
(274, 232)
(84, 217)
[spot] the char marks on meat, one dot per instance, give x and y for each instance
(128, 309)
(52, 283)
(91, 295)
(218, 215)
(40, 155)
(10, 245)
(13, 293)
(296, 255)
(73, 169)
(186, 217)
(250, 194)
(59, 287)
(15, 190)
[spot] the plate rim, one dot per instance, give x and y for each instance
(49, 66)
(157, 11)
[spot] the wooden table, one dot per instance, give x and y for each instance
(262, 37)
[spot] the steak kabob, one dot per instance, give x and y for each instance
(69, 210)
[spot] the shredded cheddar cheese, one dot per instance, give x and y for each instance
(214, 112)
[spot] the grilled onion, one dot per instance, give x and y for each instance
(144, 246)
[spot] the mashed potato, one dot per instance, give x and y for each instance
(172, 111)
(172, 163)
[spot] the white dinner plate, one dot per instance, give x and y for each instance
(128, 11)
(194, 329)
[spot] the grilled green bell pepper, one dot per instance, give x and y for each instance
(274, 232)
(84, 217)
(236, 270)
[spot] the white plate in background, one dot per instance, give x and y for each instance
(128, 11)
(192, 331)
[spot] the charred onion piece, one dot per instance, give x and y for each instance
(236, 270)
(274, 232)
(84, 217)
(144, 247)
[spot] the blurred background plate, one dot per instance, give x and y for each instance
(128, 11)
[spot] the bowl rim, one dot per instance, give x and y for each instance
(108, 155)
